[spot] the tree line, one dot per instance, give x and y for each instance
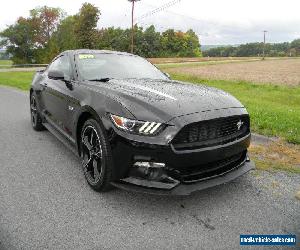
(256, 49)
(49, 31)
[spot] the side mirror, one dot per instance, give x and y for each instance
(59, 75)
(167, 75)
(56, 75)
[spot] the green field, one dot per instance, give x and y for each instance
(274, 110)
(5, 63)
(20, 80)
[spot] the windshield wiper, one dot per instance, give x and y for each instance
(105, 79)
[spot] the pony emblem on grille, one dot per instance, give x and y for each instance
(239, 124)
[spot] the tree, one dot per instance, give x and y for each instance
(45, 21)
(178, 43)
(193, 48)
(255, 49)
(47, 32)
(18, 40)
(150, 43)
(295, 45)
(113, 39)
(62, 39)
(28, 37)
(85, 27)
(140, 44)
(168, 43)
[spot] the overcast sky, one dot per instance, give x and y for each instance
(215, 21)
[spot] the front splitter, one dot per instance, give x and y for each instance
(186, 189)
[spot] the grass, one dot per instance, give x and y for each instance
(6, 62)
(274, 166)
(276, 156)
(20, 80)
(274, 110)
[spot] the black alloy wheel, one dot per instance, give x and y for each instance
(96, 157)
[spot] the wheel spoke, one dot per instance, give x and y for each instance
(33, 105)
(87, 163)
(98, 155)
(96, 171)
(33, 108)
(92, 135)
(87, 143)
(33, 117)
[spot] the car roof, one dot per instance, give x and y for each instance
(89, 51)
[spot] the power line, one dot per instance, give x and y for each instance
(161, 8)
(177, 14)
(145, 23)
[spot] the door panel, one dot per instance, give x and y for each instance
(56, 95)
(73, 105)
(55, 103)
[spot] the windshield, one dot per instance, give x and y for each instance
(105, 65)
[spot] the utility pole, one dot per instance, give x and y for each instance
(265, 31)
(132, 24)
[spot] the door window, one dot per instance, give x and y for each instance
(63, 64)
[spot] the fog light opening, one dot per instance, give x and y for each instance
(148, 170)
(150, 174)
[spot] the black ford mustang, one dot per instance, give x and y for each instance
(136, 129)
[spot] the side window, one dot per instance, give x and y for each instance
(63, 64)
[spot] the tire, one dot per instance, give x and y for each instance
(96, 156)
(36, 118)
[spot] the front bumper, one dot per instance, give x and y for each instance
(186, 189)
(127, 152)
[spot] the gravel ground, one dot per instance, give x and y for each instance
(281, 72)
(45, 202)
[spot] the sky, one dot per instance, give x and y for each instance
(215, 21)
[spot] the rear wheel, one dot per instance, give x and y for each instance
(96, 156)
(36, 119)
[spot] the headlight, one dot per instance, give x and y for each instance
(137, 127)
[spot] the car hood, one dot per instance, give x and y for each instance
(162, 100)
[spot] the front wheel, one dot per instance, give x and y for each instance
(96, 156)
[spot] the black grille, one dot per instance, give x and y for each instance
(212, 132)
(213, 169)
